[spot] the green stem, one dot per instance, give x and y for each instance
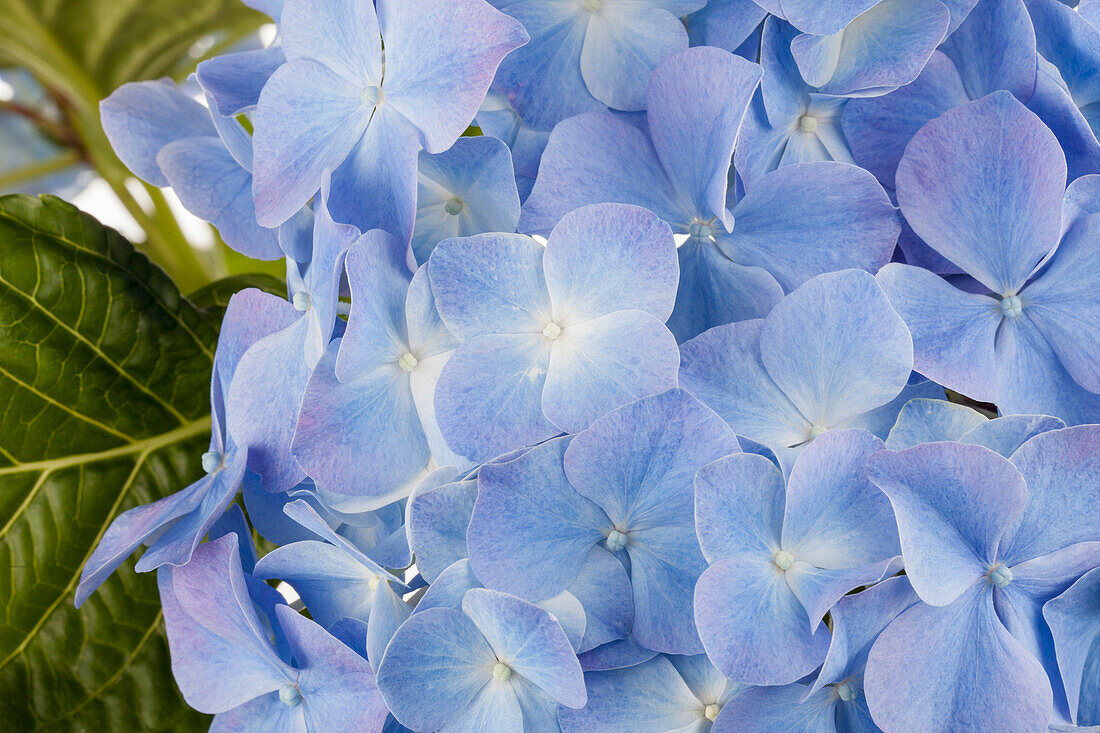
(39, 170)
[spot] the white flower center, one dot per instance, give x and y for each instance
(290, 695)
(783, 560)
(592, 5)
(711, 712)
(372, 584)
(1012, 307)
(807, 124)
(501, 672)
(1000, 575)
(551, 330)
(616, 540)
(301, 301)
(845, 691)
(371, 96)
(816, 431)
(407, 362)
(211, 461)
(700, 231)
(454, 206)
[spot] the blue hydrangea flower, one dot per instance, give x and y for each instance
(835, 703)
(469, 189)
(780, 558)
(168, 139)
(1027, 340)
(173, 527)
(585, 54)
(499, 663)
(553, 337)
(734, 266)
(439, 512)
(668, 693)
(624, 484)
(788, 122)
(986, 542)
(864, 47)
(1074, 621)
(224, 663)
(336, 580)
(374, 387)
(336, 106)
(233, 81)
(829, 355)
(960, 71)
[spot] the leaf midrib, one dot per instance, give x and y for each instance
(145, 448)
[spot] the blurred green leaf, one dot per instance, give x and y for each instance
(104, 383)
(213, 298)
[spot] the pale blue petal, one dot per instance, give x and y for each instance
(337, 685)
(233, 81)
(341, 34)
(818, 589)
(605, 258)
(603, 588)
(531, 531)
(994, 48)
(140, 118)
(802, 221)
(617, 654)
(785, 708)
(823, 17)
(599, 365)
(836, 348)
(722, 368)
(543, 78)
(953, 331)
(441, 56)
(835, 517)
(437, 521)
(490, 284)
(435, 666)
(375, 186)
(931, 421)
(916, 667)
(596, 158)
(489, 397)
(696, 101)
(1064, 303)
(983, 186)
(1006, 434)
(879, 421)
(307, 121)
(331, 583)
(1062, 470)
(1074, 620)
(884, 48)
(530, 641)
(623, 44)
(752, 625)
(213, 186)
(477, 172)
(953, 502)
(648, 697)
(879, 128)
(714, 290)
(1031, 379)
(724, 23)
(739, 507)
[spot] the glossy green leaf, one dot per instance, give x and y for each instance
(104, 383)
(213, 298)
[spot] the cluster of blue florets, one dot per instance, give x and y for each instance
(647, 365)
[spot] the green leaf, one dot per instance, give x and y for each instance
(111, 42)
(104, 383)
(213, 298)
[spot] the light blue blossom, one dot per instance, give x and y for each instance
(986, 542)
(224, 664)
(552, 338)
(498, 663)
(335, 105)
(780, 558)
(1026, 340)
